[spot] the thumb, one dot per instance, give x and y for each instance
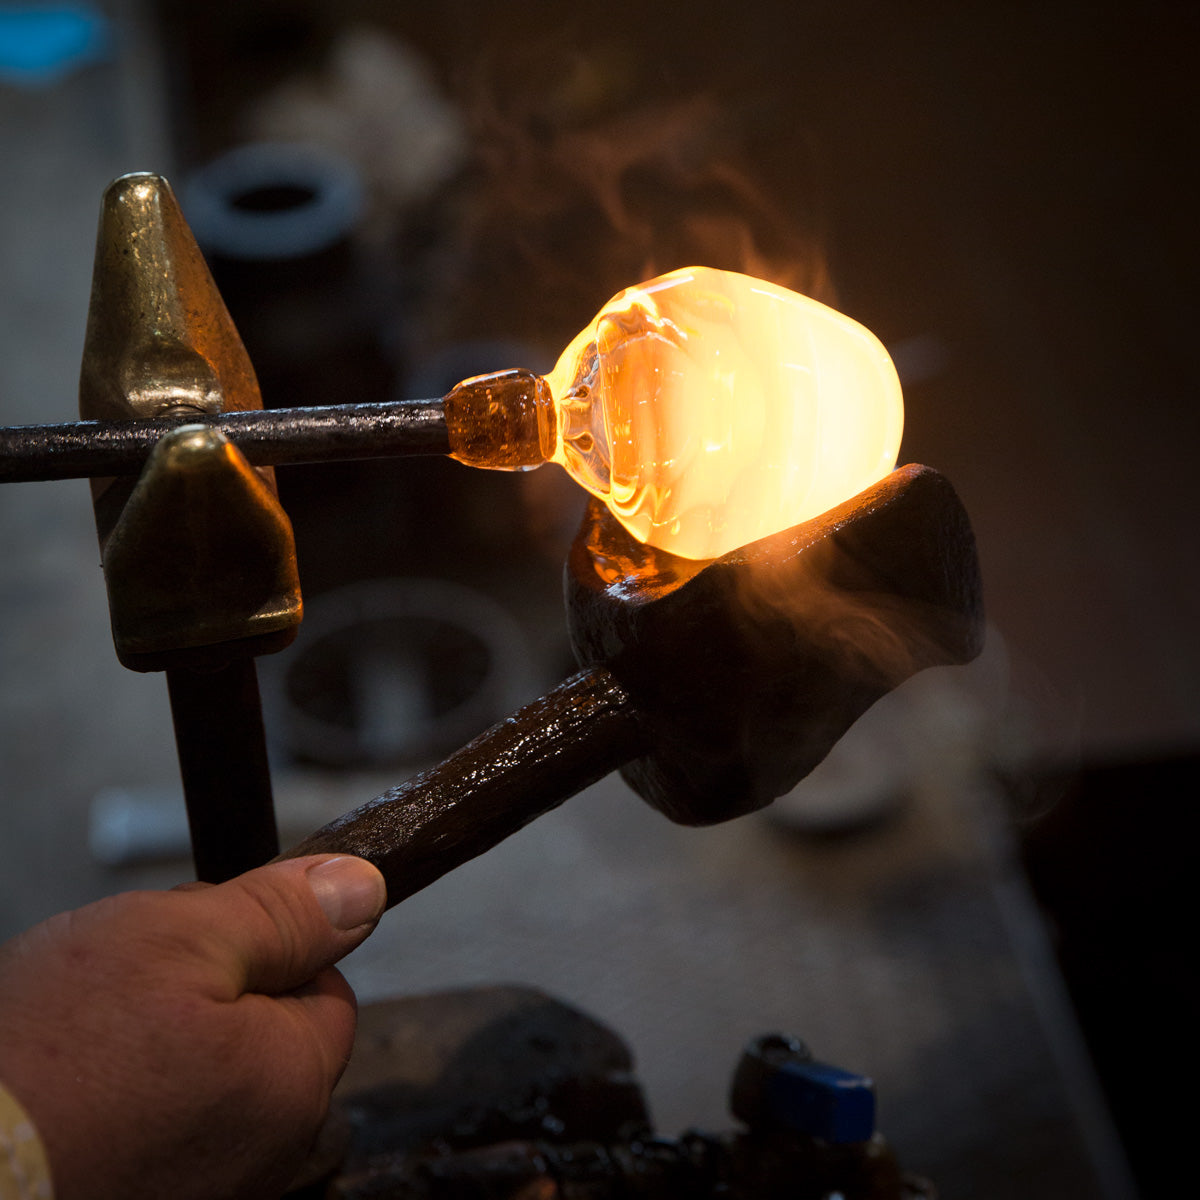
(282, 924)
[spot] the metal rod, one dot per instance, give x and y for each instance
(81, 449)
(519, 769)
(223, 762)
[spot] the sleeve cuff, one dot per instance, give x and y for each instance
(24, 1171)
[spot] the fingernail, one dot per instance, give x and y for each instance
(350, 891)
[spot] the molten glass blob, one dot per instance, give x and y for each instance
(706, 408)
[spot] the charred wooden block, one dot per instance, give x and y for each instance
(745, 671)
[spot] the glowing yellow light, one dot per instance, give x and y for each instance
(709, 409)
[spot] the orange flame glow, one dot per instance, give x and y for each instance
(709, 409)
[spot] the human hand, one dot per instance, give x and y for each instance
(185, 1043)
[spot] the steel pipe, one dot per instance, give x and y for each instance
(267, 437)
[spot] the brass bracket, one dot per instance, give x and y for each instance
(199, 557)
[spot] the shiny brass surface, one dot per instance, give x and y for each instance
(159, 339)
(202, 554)
(197, 552)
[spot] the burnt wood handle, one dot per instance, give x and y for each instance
(522, 767)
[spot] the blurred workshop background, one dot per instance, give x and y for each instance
(976, 900)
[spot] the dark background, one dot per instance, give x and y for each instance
(1004, 193)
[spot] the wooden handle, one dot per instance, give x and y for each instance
(526, 765)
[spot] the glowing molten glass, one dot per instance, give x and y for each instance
(706, 408)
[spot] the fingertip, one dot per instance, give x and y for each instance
(350, 891)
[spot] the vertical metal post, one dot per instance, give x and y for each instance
(223, 761)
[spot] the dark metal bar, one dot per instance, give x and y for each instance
(81, 449)
(223, 761)
(523, 767)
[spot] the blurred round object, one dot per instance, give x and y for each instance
(397, 671)
(40, 45)
(863, 780)
(279, 223)
(376, 100)
(271, 201)
(934, 736)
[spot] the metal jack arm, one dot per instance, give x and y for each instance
(199, 559)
